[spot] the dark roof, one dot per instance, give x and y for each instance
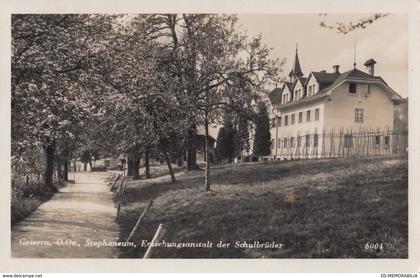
(330, 80)
(300, 101)
(354, 73)
(325, 77)
(296, 70)
(275, 96)
(289, 85)
(303, 80)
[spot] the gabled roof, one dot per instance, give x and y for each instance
(352, 74)
(332, 80)
(302, 80)
(289, 85)
(324, 77)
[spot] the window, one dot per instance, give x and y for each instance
(299, 141)
(292, 141)
(296, 94)
(307, 141)
(308, 115)
(272, 144)
(278, 143)
(279, 121)
(315, 140)
(348, 140)
(300, 117)
(285, 142)
(313, 89)
(352, 88)
(273, 122)
(293, 119)
(286, 120)
(377, 140)
(386, 141)
(310, 90)
(358, 115)
(364, 89)
(317, 114)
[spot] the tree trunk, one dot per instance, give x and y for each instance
(90, 164)
(66, 171)
(206, 154)
(146, 163)
(191, 149)
(129, 166)
(59, 169)
(49, 169)
(85, 166)
(136, 167)
(168, 162)
(75, 166)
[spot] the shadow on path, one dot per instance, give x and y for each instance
(79, 212)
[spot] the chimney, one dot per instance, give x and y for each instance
(336, 69)
(370, 66)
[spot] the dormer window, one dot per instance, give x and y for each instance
(352, 88)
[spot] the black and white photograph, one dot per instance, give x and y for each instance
(189, 135)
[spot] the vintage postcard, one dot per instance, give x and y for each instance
(265, 135)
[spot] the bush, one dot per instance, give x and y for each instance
(21, 208)
(253, 158)
(26, 198)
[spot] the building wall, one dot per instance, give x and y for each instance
(312, 81)
(280, 133)
(340, 109)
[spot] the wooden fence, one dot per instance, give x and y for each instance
(340, 144)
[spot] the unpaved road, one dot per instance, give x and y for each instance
(61, 227)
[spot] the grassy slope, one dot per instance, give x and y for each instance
(316, 208)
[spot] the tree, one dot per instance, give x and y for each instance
(262, 135)
(226, 148)
(218, 69)
(362, 23)
(242, 136)
(49, 103)
(140, 107)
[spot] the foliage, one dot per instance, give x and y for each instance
(362, 23)
(226, 147)
(87, 86)
(51, 59)
(262, 134)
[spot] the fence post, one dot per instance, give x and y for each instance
(115, 181)
(111, 180)
(160, 233)
(121, 196)
(139, 220)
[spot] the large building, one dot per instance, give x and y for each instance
(329, 113)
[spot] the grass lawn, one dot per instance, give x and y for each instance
(316, 208)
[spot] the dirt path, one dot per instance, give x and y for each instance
(79, 212)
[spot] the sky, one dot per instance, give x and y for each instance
(386, 41)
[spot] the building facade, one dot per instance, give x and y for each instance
(332, 113)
